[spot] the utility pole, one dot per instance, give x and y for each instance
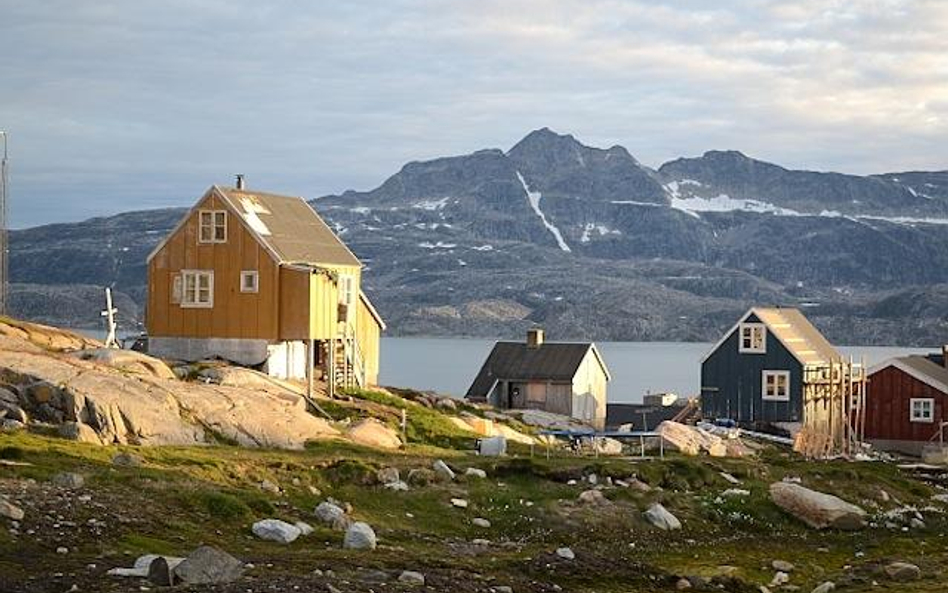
(4, 247)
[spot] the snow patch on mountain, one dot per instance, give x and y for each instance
(601, 229)
(725, 203)
(431, 204)
(534, 198)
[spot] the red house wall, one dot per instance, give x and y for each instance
(888, 413)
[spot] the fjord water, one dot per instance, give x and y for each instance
(448, 365)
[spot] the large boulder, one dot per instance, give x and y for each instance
(691, 440)
(359, 536)
(660, 517)
(372, 433)
(276, 530)
(208, 565)
(817, 509)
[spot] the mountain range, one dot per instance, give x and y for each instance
(587, 242)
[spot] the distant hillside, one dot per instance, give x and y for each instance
(592, 244)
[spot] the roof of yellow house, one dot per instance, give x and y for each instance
(289, 227)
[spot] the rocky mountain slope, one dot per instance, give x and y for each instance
(593, 244)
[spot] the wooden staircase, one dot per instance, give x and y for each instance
(348, 363)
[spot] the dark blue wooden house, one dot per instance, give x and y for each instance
(765, 368)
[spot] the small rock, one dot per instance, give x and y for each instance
(638, 485)
(276, 530)
(781, 578)
(735, 493)
(359, 536)
(68, 480)
(62, 550)
(903, 571)
(782, 565)
(566, 553)
(441, 468)
(592, 479)
(916, 523)
(660, 517)
(421, 476)
(447, 404)
(411, 577)
(271, 487)
(729, 478)
(503, 589)
(126, 460)
(884, 496)
(592, 497)
(824, 587)
(398, 486)
(333, 515)
(480, 542)
(11, 511)
(388, 475)
(683, 584)
(480, 522)
(208, 565)
(473, 472)
(305, 528)
(459, 503)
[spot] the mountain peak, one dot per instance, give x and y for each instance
(543, 139)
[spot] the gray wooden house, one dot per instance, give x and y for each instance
(563, 378)
(767, 369)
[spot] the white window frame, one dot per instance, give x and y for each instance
(245, 274)
(347, 290)
(208, 219)
(776, 375)
(751, 329)
(915, 417)
(193, 300)
(177, 289)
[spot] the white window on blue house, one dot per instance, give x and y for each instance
(752, 338)
(775, 386)
(922, 409)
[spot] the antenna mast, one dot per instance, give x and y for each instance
(4, 247)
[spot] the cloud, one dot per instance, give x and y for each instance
(115, 105)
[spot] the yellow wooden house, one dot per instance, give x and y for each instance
(261, 280)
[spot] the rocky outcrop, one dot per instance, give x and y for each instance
(817, 509)
(109, 396)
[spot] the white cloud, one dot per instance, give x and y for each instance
(117, 105)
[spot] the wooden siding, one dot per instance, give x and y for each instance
(234, 314)
(368, 334)
(324, 305)
(888, 414)
(731, 382)
(295, 304)
(589, 391)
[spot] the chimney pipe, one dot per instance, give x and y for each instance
(534, 338)
(240, 181)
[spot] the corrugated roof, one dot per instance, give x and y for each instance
(514, 361)
(796, 332)
(289, 227)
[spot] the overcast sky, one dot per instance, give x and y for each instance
(118, 105)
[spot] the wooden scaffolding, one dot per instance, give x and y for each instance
(834, 410)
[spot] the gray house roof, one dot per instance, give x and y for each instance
(289, 227)
(927, 369)
(515, 361)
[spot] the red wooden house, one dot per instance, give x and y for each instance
(907, 402)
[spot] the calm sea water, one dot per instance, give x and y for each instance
(448, 365)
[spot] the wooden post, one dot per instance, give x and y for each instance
(310, 366)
